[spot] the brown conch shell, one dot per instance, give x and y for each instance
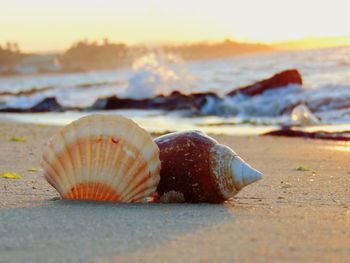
(195, 168)
(102, 157)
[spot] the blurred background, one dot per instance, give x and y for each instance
(175, 65)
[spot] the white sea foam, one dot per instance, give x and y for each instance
(329, 103)
(156, 73)
(326, 89)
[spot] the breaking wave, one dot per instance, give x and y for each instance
(325, 94)
(156, 73)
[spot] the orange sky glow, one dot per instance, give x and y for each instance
(55, 24)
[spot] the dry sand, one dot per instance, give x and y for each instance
(289, 216)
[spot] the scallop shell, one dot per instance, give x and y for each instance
(196, 168)
(101, 157)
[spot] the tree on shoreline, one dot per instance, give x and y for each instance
(10, 55)
(99, 55)
(85, 55)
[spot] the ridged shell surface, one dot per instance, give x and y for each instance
(102, 157)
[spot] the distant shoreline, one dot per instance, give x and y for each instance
(129, 64)
(85, 56)
(63, 72)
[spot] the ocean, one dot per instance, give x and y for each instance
(324, 95)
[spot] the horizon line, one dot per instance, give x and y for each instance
(294, 44)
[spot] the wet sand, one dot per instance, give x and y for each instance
(288, 216)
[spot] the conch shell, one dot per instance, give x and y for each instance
(102, 158)
(195, 168)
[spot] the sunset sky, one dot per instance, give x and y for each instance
(55, 24)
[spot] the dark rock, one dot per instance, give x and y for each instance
(175, 101)
(46, 105)
(322, 135)
(279, 80)
(192, 103)
(14, 110)
(201, 98)
(113, 103)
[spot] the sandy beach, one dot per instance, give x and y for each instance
(291, 215)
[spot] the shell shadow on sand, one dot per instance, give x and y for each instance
(77, 231)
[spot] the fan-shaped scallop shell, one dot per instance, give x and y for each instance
(102, 157)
